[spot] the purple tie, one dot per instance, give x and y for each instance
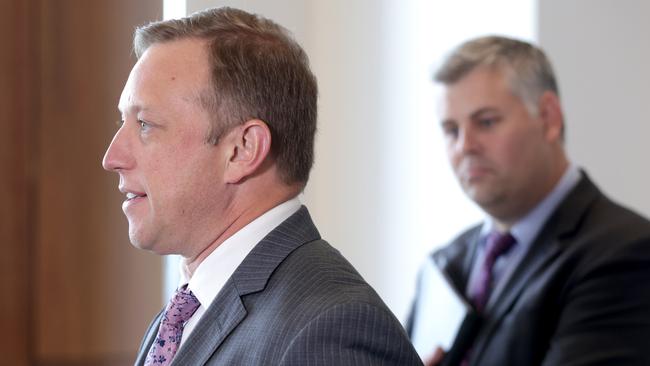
(179, 310)
(497, 244)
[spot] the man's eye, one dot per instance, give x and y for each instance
(143, 125)
(451, 131)
(487, 122)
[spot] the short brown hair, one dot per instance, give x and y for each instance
(527, 67)
(258, 72)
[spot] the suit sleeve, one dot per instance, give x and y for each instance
(351, 334)
(412, 317)
(606, 320)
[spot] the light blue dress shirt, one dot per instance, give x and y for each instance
(525, 231)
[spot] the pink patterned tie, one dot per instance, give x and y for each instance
(179, 310)
(497, 244)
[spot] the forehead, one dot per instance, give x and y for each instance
(483, 87)
(178, 68)
(482, 82)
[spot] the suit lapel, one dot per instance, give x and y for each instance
(456, 259)
(148, 339)
(223, 315)
(228, 310)
(550, 242)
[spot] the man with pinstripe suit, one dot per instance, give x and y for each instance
(216, 143)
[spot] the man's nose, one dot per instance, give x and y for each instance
(117, 156)
(467, 141)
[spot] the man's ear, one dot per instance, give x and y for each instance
(550, 112)
(251, 144)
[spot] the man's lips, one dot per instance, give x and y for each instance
(471, 173)
(132, 197)
(129, 202)
(130, 192)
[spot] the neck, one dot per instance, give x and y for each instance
(252, 204)
(504, 222)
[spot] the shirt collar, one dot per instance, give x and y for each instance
(215, 270)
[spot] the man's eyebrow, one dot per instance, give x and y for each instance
(446, 121)
(131, 109)
(482, 110)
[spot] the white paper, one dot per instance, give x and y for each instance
(439, 311)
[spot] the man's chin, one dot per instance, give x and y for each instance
(151, 246)
(140, 241)
(481, 196)
(140, 244)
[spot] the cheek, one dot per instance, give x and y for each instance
(509, 151)
(168, 172)
(518, 151)
(197, 175)
(452, 157)
(167, 178)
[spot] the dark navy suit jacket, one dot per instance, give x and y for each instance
(581, 295)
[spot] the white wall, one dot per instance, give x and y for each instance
(381, 190)
(601, 53)
(345, 193)
(344, 188)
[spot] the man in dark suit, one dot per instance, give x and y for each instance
(557, 274)
(216, 143)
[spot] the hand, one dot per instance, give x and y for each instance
(435, 358)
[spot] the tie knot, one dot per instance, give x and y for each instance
(498, 244)
(181, 307)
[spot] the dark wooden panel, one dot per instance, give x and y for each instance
(18, 118)
(94, 293)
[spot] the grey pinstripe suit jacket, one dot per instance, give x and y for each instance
(294, 300)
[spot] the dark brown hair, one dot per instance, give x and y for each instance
(258, 72)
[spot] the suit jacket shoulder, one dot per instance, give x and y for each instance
(295, 300)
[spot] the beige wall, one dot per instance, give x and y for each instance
(601, 51)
